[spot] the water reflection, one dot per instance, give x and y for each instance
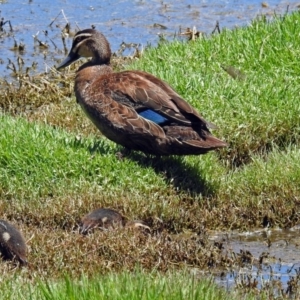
(274, 257)
(273, 275)
(127, 21)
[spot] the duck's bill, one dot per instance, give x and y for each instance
(68, 60)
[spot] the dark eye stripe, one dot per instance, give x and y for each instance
(81, 37)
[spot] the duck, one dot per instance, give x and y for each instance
(12, 243)
(134, 108)
(107, 218)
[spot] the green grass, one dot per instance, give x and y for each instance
(51, 161)
(55, 167)
(136, 285)
(39, 162)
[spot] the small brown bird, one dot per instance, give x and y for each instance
(12, 243)
(104, 218)
(107, 218)
(133, 108)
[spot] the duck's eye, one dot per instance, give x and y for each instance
(78, 39)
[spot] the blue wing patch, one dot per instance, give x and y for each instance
(153, 116)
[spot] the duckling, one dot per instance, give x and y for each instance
(107, 218)
(134, 108)
(102, 217)
(12, 243)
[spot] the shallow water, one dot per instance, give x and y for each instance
(121, 21)
(280, 249)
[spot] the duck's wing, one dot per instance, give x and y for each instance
(184, 107)
(150, 96)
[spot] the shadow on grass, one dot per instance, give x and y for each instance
(177, 172)
(173, 169)
(99, 146)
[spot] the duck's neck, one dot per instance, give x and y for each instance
(87, 73)
(96, 66)
(90, 71)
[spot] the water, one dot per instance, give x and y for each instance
(130, 21)
(280, 249)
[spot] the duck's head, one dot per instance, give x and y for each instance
(88, 43)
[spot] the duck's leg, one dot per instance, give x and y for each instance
(123, 153)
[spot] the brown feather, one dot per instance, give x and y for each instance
(12, 243)
(104, 218)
